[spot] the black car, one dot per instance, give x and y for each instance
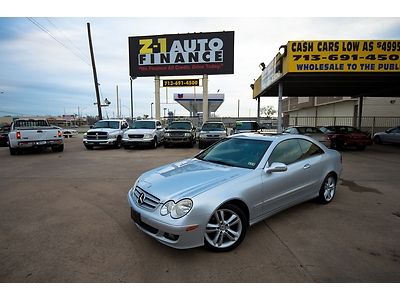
(180, 132)
(4, 130)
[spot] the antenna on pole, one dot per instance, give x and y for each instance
(96, 84)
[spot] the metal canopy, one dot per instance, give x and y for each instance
(343, 84)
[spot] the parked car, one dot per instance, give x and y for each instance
(310, 131)
(67, 133)
(105, 133)
(4, 130)
(212, 198)
(34, 133)
(144, 132)
(210, 133)
(347, 136)
(390, 136)
(180, 132)
(246, 126)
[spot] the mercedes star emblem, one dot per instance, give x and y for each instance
(141, 198)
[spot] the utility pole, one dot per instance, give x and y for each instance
(238, 107)
(131, 98)
(118, 112)
(96, 84)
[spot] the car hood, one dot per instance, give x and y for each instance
(139, 131)
(108, 130)
(187, 178)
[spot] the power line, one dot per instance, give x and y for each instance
(66, 37)
(41, 27)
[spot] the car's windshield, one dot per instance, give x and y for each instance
(143, 125)
(245, 126)
(180, 125)
(213, 127)
(236, 152)
(107, 124)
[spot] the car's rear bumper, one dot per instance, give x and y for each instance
(37, 144)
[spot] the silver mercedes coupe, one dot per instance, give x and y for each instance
(212, 198)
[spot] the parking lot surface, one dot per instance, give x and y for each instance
(64, 217)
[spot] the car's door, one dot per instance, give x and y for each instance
(160, 131)
(394, 136)
(282, 189)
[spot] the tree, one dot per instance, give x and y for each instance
(268, 111)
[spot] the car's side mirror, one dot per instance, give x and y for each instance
(387, 131)
(276, 167)
(91, 126)
(159, 127)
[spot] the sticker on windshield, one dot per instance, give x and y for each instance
(252, 164)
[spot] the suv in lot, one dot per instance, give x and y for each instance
(210, 133)
(180, 132)
(105, 133)
(144, 132)
(246, 126)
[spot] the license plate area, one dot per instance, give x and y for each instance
(40, 143)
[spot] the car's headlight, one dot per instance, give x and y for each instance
(187, 134)
(148, 136)
(85, 135)
(203, 135)
(112, 136)
(167, 134)
(176, 210)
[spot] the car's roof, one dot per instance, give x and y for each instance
(111, 120)
(267, 136)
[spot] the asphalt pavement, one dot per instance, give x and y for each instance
(64, 217)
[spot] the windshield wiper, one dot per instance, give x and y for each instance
(220, 162)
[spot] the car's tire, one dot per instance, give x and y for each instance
(59, 148)
(328, 189)
(118, 143)
(225, 229)
(377, 140)
(166, 145)
(155, 143)
(13, 151)
(126, 147)
(89, 147)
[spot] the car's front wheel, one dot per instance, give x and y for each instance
(328, 189)
(226, 228)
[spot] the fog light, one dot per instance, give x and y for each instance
(171, 236)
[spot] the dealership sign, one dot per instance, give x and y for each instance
(343, 56)
(181, 54)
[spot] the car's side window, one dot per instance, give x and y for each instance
(286, 152)
(309, 149)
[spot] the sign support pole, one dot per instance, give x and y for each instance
(205, 98)
(359, 111)
(157, 96)
(258, 109)
(279, 127)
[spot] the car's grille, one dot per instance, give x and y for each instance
(96, 135)
(135, 136)
(213, 135)
(147, 201)
(177, 134)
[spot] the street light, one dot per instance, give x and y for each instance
(151, 110)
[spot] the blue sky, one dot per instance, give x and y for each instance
(38, 76)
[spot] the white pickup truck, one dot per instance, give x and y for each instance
(105, 133)
(34, 133)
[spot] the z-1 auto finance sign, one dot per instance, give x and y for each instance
(344, 56)
(181, 54)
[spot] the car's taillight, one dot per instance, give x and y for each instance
(59, 133)
(18, 134)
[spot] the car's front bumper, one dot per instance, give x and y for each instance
(178, 140)
(105, 142)
(174, 235)
(137, 142)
